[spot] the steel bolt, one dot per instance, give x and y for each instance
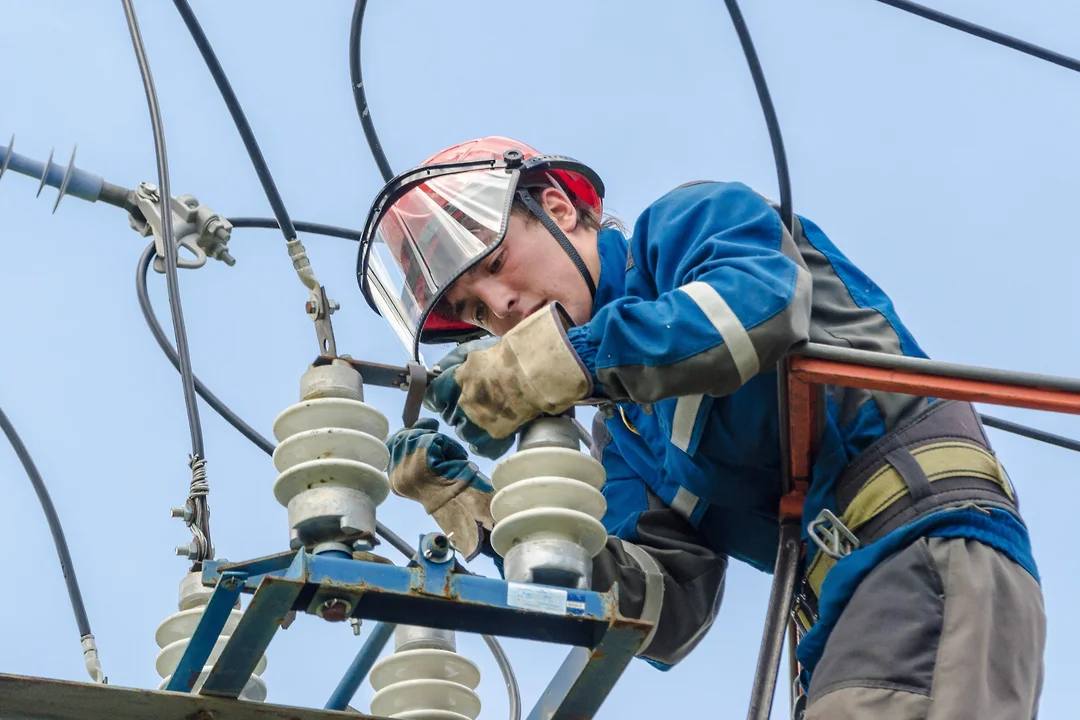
(190, 551)
(356, 623)
(310, 307)
(184, 513)
(334, 610)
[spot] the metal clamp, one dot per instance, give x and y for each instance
(831, 535)
(198, 229)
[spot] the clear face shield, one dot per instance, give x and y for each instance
(427, 228)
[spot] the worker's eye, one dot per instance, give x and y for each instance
(497, 262)
(480, 313)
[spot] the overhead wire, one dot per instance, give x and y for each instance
(199, 522)
(243, 127)
(776, 139)
(360, 94)
(300, 225)
(985, 33)
(56, 529)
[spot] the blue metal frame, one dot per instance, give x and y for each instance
(428, 592)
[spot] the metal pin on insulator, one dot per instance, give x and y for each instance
(175, 632)
(331, 460)
(547, 507)
(425, 678)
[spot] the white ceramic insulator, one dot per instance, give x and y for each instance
(425, 684)
(332, 442)
(175, 632)
(548, 493)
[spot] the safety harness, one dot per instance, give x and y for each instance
(940, 459)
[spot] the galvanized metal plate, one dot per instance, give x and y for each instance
(33, 698)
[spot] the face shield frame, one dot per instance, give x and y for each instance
(379, 291)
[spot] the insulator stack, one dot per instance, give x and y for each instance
(547, 507)
(174, 634)
(331, 458)
(425, 678)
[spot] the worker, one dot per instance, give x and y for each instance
(919, 597)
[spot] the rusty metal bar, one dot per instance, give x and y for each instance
(925, 366)
(927, 383)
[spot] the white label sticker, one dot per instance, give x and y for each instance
(540, 599)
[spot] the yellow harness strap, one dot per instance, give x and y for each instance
(939, 460)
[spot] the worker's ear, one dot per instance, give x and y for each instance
(559, 208)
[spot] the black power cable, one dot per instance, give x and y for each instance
(762, 88)
(1030, 432)
(300, 225)
(360, 95)
(985, 33)
(57, 530)
(200, 513)
(239, 119)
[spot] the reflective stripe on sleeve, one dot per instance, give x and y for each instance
(725, 321)
(682, 422)
(654, 589)
(684, 503)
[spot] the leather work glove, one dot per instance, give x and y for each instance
(434, 470)
(488, 389)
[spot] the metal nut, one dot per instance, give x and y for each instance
(334, 610)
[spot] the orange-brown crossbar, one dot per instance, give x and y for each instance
(830, 372)
(805, 374)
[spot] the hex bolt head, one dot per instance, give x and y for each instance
(189, 551)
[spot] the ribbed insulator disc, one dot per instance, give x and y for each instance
(427, 663)
(424, 698)
(543, 522)
(335, 472)
(330, 412)
(548, 461)
(555, 492)
(181, 625)
(170, 655)
(331, 442)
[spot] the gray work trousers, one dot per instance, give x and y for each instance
(944, 629)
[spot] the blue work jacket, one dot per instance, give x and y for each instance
(690, 318)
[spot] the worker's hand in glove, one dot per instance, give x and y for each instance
(434, 470)
(488, 389)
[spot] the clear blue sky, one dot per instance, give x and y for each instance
(943, 165)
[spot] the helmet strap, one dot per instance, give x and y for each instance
(560, 237)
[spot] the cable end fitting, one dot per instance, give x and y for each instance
(92, 660)
(301, 263)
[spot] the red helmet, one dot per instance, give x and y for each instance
(494, 147)
(430, 225)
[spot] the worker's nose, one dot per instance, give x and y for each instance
(503, 302)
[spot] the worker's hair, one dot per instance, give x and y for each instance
(587, 216)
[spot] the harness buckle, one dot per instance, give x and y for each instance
(831, 535)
